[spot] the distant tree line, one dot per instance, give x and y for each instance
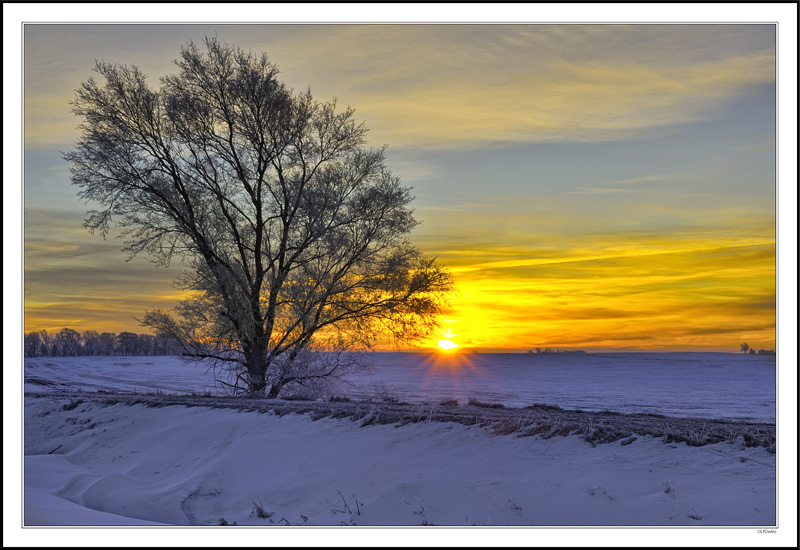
(70, 342)
(745, 348)
(555, 350)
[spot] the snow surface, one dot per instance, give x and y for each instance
(192, 466)
(134, 466)
(705, 385)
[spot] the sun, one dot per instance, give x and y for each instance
(446, 345)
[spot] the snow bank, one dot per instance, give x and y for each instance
(170, 475)
(133, 465)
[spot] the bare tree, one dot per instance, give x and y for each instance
(128, 343)
(294, 232)
(106, 343)
(68, 342)
(744, 348)
(91, 342)
(33, 344)
(48, 342)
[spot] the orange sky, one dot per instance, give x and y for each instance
(589, 186)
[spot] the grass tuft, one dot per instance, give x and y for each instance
(258, 510)
(475, 403)
(72, 405)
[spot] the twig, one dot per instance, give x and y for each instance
(346, 507)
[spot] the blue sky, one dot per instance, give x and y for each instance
(555, 169)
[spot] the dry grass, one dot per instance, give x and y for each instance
(475, 403)
(543, 421)
(72, 405)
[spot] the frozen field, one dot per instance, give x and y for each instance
(100, 462)
(714, 385)
(706, 385)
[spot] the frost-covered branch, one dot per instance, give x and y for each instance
(293, 230)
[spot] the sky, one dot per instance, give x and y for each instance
(590, 186)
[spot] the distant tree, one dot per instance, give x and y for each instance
(147, 344)
(752, 351)
(128, 343)
(32, 344)
(107, 342)
(744, 348)
(159, 346)
(91, 342)
(47, 342)
(295, 233)
(68, 342)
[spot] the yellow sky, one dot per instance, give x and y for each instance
(589, 186)
(667, 297)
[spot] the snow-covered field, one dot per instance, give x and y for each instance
(706, 385)
(95, 464)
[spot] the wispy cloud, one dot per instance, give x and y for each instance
(639, 184)
(468, 85)
(564, 102)
(651, 180)
(600, 190)
(555, 168)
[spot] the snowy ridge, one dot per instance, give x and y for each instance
(179, 465)
(419, 441)
(544, 421)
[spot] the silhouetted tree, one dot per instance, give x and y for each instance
(91, 342)
(47, 342)
(32, 344)
(295, 232)
(107, 343)
(744, 348)
(128, 343)
(68, 342)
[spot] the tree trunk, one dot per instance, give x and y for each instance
(256, 370)
(257, 383)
